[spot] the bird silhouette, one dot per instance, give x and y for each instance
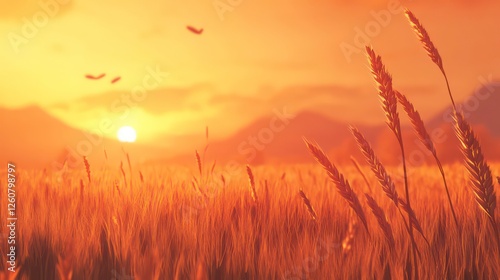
(91, 77)
(194, 30)
(116, 79)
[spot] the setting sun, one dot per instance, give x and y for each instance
(126, 134)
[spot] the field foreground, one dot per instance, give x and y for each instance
(177, 223)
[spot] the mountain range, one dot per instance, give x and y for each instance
(33, 138)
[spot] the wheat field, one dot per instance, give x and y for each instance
(165, 227)
(310, 221)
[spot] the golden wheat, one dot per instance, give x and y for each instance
(360, 171)
(378, 169)
(424, 137)
(198, 162)
(381, 219)
(340, 182)
(384, 85)
(389, 105)
(87, 167)
(479, 171)
(383, 177)
(307, 203)
(432, 51)
(251, 181)
(424, 37)
(413, 218)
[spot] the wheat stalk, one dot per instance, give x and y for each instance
(223, 179)
(251, 180)
(123, 173)
(384, 85)
(141, 177)
(129, 165)
(118, 188)
(424, 37)
(81, 187)
(198, 162)
(389, 104)
(416, 121)
(267, 196)
(479, 171)
(432, 51)
(360, 171)
(308, 205)
(413, 218)
(424, 137)
(213, 167)
(383, 177)
(87, 167)
(378, 169)
(206, 144)
(381, 219)
(340, 182)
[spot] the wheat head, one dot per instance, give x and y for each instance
(415, 222)
(386, 93)
(416, 121)
(431, 50)
(381, 219)
(378, 169)
(87, 167)
(479, 172)
(423, 135)
(198, 162)
(251, 180)
(340, 182)
(308, 205)
(424, 37)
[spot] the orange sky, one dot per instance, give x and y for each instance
(255, 57)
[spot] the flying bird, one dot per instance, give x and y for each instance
(194, 30)
(91, 77)
(115, 80)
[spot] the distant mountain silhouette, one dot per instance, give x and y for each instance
(270, 140)
(32, 138)
(286, 146)
(481, 108)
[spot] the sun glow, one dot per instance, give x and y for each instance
(126, 134)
